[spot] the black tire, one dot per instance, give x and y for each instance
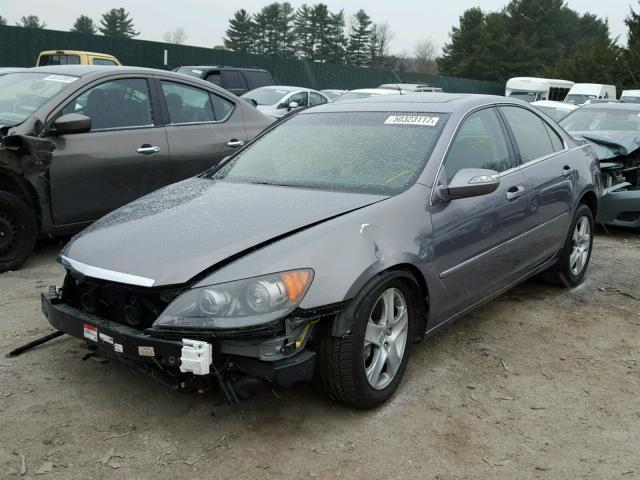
(561, 273)
(18, 231)
(340, 370)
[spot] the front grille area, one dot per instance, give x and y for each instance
(136, 307)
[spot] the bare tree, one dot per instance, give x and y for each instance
(381, 36)
(425, 57)
(177, 36)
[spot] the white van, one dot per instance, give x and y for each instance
(581, 92)
(630, 96)
(532, 89)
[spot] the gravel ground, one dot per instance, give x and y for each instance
(541, 383)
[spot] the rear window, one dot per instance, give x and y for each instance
(371, 152)
(46, 60)
(103, 61)
(232, 80)
(257, 79)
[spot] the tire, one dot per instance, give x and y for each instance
(564, 273)
(340, 370)
(18, 231)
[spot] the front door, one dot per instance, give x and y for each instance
(122, 158)
(202, 128)
(478, 241)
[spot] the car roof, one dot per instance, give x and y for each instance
(414, 102)
(612, 106)
(82, 70)
(381, 91)
(554, 104)
(73, 52)
(222, 67)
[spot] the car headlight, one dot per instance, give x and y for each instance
(238, 304)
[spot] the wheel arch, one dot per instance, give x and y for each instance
(342, 322)
(590, 199)
(17, 185)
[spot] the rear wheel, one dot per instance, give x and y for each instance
(576, 253)
(18, 231)
(365, 367)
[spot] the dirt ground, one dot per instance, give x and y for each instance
(541, 383)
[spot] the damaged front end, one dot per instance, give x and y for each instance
(619, 155)
(162, 332)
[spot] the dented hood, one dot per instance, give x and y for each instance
(175, 233)
(610, 143)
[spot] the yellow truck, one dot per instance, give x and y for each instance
(75, 57)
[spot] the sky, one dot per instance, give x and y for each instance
(205, 21)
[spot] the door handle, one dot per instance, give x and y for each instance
(147, 149)
(514, 192)
(567, 170)
(233, 143)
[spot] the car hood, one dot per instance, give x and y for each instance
(175, 233)
(609, 144)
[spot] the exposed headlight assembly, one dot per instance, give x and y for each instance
(238, 304)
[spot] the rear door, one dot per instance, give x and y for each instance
(124, 156)
(478, 241)
(550, 177)
(202, 127)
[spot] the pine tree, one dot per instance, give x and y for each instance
(30, 21)
(84, 24)
(358, 49)
(304, 32)
(336, 46)
(631, 56)
(240, 35)
(274, 30)
(116, 23)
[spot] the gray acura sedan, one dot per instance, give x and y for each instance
(327, 246)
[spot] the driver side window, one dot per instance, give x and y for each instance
(300, 98)
(479, 143)
(120, 103)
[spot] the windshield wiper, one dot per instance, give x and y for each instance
(274, 184)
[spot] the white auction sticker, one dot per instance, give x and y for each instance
(106, 338)
(412, 120)
(60, 78)
(146, 352)
(90, 332)
(117, 347)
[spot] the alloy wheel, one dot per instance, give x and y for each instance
(581, 244)
(385, 338)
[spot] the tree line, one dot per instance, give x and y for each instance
(311, 32)
(115, 22)
(542, 38)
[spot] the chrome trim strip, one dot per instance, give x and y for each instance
(104, 274)
(469, 261)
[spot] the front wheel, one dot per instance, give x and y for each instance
(18, 231)
(365, 367)
(576, 252)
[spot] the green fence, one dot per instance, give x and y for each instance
(19, 47)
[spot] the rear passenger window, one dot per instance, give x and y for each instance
(102, 61)
(214, 77)
(187, 104)
(232, 80)
(479, 143)
(221, 107)
(315, 98)
(530, 132)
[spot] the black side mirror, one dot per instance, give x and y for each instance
(71, 123)
(470, 182)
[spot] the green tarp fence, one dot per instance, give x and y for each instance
(19, 47)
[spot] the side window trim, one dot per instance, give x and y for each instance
(77, 93)
(512, 138)
(165, 109)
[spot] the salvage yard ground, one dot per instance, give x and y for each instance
(541, 383)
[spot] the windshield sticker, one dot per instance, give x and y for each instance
(412, 120)
(60, 78)
(197, 71)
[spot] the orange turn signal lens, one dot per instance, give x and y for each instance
(296, 283)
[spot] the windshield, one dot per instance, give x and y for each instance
(578, 99)
(21, 94)
(592, 119)
(266, 96)
(357, 95)
(555, 113)
(370, 152)
(630, 99)
(525, 96)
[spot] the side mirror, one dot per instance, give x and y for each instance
(71, 123)
(292, 105)
(470, 182)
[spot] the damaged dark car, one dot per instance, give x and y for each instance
(613, 131)
(330, 244)
(77, 142)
